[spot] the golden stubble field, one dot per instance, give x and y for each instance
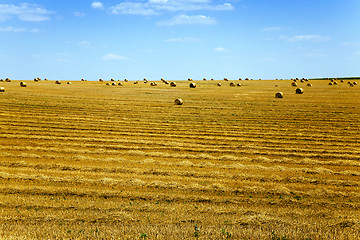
(91, 161)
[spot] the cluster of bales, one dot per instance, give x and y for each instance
(192, 84)
(334, 82)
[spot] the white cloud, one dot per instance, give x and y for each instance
(97, 5)
(187, 20)
(84, 44)
(112, 56)
(183, 39)
(271, 29)
(314, 54)
(79, 14)
(131, 8)
(219, 49)
(313, 38)
(24, 12)
(155, 7)
(18, 30)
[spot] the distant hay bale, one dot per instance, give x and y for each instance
(2, 89)
(279, 95)
(335, 83)
(341, 80)
(330, 83)
(173, 84)
(45, 79)
(354, 83)
(57, 82)
(113, 80)
(83, 80)
(240, 79)
(113, 84)
(108, 84)
(239, 85)
(309, 85)
(120, 84)
(212, 79)
(351, 85)
(166, 82)
(153, 84)
(225, 79)
(219, 84)
(22, 84)
(299, 91)
(246, 79)
(232, 84)
(294, 84)
(145, 80)
(276, 85)
(136, 82)
(1, 80)
(7, 80)
(100, 80)
(69, 83)
(179, 101)
(204, 79)
(125, 80)
(302, 80)
(189, 79)
(192, 85)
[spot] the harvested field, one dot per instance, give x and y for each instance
(89, 161)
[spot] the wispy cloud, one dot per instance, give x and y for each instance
(18, 30)
(220, 49)
(271, 29)
(97, 5)
(79, 14)
(156, 7)
(183, 39)
(313, 38)
(24, 12)
(188, 20)
(112, 56)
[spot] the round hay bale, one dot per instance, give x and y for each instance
(2, 89)
(239, 84)
(179, 101)
(69, 83)
(7, 80)
(335, 83)
(173, 84)
(120, 84)
(354, 83)
(192, 85)
(225, 79)
(153, 84)
(240, 79)
(212, 79)
(57, 82)
(232, 84)
(279, 95)
(125, 80)
(246, 79)
(22, 84)
(219, 84)
(113, 84)
(276, 85)
(299, 91)
(204, 79)
(294, 84)
(330, 83)
(113, 80)
(309, 85)
(341, 80)
(100, 80)
(189, 79)
(136, 82)
(107, 84)
(351, 85)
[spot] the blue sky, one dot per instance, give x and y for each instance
(179, 39)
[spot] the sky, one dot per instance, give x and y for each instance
(179, 39)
